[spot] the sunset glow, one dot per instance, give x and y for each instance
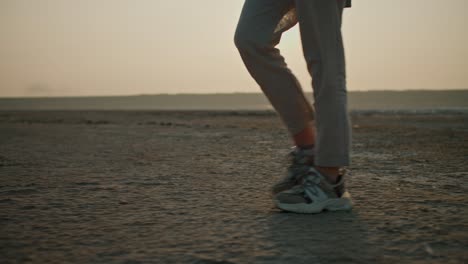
(123, 47)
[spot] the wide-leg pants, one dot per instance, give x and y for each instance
(259, 30)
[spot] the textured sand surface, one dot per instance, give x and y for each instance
(192, 187)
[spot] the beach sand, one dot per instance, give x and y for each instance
(193, 187)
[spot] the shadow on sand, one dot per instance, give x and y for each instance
(330, 237)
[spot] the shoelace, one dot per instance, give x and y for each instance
(314, 178)
(298, 167)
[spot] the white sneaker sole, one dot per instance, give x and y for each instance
(337, 204)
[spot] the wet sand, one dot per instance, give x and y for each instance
(192, 187)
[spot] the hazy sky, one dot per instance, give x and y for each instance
(118, 47)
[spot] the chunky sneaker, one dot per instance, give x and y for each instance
(314, 194)
(300, 162)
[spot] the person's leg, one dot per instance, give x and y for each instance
(320, 27)
(306, 137)
(258, 32)
(260, 27)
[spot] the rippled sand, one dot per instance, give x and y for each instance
(192, 187)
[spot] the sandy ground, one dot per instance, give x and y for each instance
(192, 187)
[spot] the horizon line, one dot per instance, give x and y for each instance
(221, 93)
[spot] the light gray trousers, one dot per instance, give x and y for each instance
(259, 30)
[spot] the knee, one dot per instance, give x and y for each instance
(241, 39)
(245, 40)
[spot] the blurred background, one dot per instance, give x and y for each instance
(134, 47)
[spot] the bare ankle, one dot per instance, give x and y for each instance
(306, 136)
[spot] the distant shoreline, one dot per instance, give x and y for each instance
(217, 94)
(388, 100)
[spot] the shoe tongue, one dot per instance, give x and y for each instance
(306, 150)
(304, 155)
(305, 160)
